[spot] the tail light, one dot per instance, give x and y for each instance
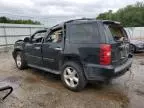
(105, 54)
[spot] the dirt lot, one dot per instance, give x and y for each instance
(37, 89)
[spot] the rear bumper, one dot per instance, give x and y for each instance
(101, 73)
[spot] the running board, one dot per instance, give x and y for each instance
(44, 69)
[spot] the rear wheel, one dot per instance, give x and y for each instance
(73, 77)
(20, 60)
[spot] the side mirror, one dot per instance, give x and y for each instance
(27, 39)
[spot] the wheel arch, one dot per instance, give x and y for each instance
(70, 57)
(74, 63)
(16, 50)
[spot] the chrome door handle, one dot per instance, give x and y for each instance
(37, 48)
(58, 48)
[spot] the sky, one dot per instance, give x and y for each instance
(51, 12)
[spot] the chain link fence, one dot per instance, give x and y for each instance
(9, 33)
(136, 33)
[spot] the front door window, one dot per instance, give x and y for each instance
(55, 36)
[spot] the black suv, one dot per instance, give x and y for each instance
(81, 51)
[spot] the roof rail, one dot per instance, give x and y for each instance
(74, 20)
(80, 19)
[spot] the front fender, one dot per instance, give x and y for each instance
(17, 48)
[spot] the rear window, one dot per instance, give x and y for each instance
(83, 32)
(116, 32)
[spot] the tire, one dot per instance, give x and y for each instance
(73, 72)
(108, 81)
(132, 48)
(20, 60)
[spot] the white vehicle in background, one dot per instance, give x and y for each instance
(136, 45)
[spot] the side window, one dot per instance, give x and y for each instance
(55, 36)
(83, 33)
(37, 38)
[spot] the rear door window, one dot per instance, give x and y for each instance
(83, 32)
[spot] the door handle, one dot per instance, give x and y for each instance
(37, 48)
(58, 48)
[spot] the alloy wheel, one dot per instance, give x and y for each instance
(71, 77)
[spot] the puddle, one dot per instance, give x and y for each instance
(13, 81)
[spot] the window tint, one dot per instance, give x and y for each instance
(86, 32)
(55, 36)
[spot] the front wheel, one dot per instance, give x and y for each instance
(20, 60)
(73, 77)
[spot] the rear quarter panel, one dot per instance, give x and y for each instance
(88, 53)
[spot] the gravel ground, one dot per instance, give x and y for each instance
(38, 89)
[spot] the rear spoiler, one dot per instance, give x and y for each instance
(111, 22)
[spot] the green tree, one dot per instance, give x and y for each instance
(7, 20)
(4, 20)
(131, 15)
